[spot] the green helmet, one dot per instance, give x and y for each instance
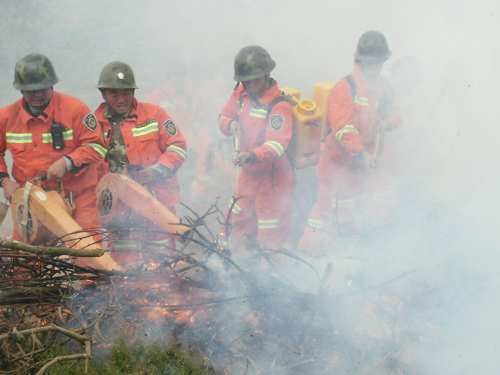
(372, 46)
(116, 75)
(252, 62)
(34, 72)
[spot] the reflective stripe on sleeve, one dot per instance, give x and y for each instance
(179, 150)
(19, 137)
(268, 224)
(342, 203)
(98, 148)
(221, 117)
(150, 128)
(276, 146)
(345, 129)
(157, 244)
(362, 101)
(316, 224)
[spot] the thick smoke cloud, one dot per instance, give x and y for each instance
(447, 230)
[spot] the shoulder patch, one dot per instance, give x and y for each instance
(90, 121)
(276, 122)
(170, 127)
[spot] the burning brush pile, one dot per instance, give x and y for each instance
(243, 318)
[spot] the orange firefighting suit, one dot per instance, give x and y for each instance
(266, 187)
(30, 141)
(186, 109)
(343, 184)
(150, 137)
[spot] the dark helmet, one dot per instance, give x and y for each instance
(116, 75)
(372, 46)
(252, 62)
(176, 66)
(34, 72)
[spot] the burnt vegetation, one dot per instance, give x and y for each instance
(196, 307)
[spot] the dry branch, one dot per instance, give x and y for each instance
(42, 250)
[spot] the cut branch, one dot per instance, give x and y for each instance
(41, 250)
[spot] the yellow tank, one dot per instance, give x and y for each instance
(321, 92)
(304, 148)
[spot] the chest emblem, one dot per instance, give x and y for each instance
(170, 127)
(276, 122)
(90, 121)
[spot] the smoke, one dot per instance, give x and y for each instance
(446, 234)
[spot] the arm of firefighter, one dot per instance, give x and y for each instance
(278, 133)
(88, 138)
(172, 142)
(229, 113)
(343, 118)
(3, 147)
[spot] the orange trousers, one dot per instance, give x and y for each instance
(350, 202)
(264, 210)
(143, 238)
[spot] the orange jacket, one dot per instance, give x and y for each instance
(267, 136)
(30, 141)
(184, 108)
(352, 120)
(151, 137)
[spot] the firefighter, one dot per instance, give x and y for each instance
(52, 134)
(361, 109)
(144, 143)
(266, 183)
(183, 104)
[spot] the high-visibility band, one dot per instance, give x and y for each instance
(342, 203)
(316, 224)
(179, 150)
(203, 177)
(345, 129)
(153, 127)
(268, 224)
(379, 197)
(98, 148)
(259, 113)
(236, 208)
(125, 244)
(221, 117)
(19, 137)
(67, 135)
(362, 101)
(157, 244)
(276, 146)
(166, 105)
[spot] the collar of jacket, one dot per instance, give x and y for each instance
(363, 83)
(46, 115)
(264, 98)
(110, 112)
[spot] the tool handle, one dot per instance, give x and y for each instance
(237, 145)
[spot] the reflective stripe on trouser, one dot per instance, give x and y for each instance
(348, 202)
(262, 213)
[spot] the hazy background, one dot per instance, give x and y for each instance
(447, 231)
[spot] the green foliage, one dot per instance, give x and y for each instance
(136, 359)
